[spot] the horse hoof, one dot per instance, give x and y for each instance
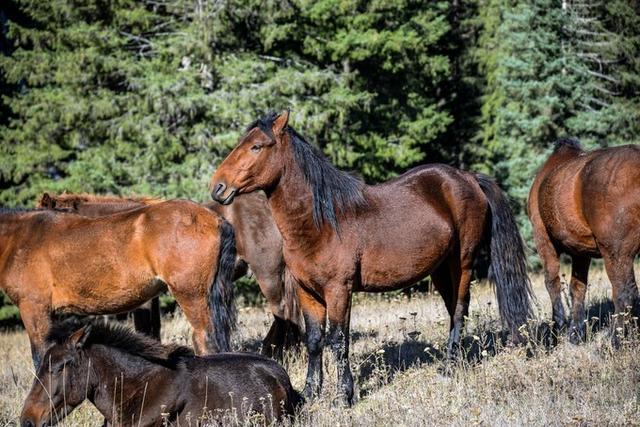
(577, 336)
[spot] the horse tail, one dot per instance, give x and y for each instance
(221, 293)
(508, 270)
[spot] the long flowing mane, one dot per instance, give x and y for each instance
(123, 339)
(334, 192)
(6, 210)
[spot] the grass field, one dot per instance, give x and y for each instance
(397, 360)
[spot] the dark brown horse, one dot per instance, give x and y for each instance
(341, 235)
(587, 205)
(258, 243)
(136, 381)
(62, 262)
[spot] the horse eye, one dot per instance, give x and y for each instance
(256, 147)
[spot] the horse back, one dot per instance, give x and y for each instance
(240, 377)
(417, 219)
(75, 261)
(577, 196)
(610, 189)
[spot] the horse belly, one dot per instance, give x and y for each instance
(109, 294)
(407, 259)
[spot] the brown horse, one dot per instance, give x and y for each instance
(258, 243)
(135, 381)
(146, 318)
(341, 235)
(587, 205)
(62, 262)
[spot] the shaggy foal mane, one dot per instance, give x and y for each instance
(121, 338)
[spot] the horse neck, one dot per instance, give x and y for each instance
(117, 377)
(291, 203)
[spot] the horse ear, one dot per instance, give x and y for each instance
(78, 339)
(46, 201)
(280, 123)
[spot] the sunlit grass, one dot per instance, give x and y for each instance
(398, 363)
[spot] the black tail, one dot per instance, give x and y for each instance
(508, 261)
(221, 294)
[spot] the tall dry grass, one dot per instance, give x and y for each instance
(398, 363)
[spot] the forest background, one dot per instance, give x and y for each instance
(146, 97)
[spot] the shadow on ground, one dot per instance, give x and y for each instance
(479, 344)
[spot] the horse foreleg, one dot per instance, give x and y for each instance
(625, 291)
(339, 311)
(578, 289)
(37, 322)
(314, 313)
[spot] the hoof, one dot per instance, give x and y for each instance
(577, 335)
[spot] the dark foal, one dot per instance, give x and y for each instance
(342, 236)
(136, 381)
(258, 243)
(587, 205)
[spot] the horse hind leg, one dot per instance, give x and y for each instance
(441, 279)
(461, 273)
(551, 265)
(619, 269)
(146, 318)
(578, 290)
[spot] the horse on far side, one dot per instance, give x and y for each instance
(258, 244)
(60, 262)
(586, 204)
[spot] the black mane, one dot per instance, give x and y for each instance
(570, 143)
(7, 210)
(334, 191)
(122, 338)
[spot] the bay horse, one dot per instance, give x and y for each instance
(258, 245)
(146, 318)
(135, 381)
(60, 262)
(342, 236)
(587, 205)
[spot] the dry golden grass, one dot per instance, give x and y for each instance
(397, 360)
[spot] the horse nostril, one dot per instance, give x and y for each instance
(217, 192)
(27, 423)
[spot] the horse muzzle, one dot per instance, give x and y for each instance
(218, 194)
